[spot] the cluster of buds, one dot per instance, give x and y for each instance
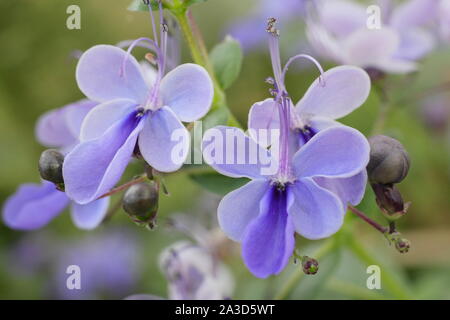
(389, 164)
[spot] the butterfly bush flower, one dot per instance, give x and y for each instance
(34, 205)
(340, 32)
(265, 213)
(132, 113)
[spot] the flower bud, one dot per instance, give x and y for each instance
(141, 201)
(402, 245)
(389, 161)
(310, 265)
(50, 166)
(390, 201)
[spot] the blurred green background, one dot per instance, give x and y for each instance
(37, 74)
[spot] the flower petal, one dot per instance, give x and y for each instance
(232, 153)
(89, 216)
(414, 44)
(345, 88)
(95, 166)
(414, 13)
(164, 142)
(321, 123)
(263, 116)
(33, 206)
(188, 91)
(342, 17)
(349, 190)
(238, 208)
(315, 212)
(269, 239)
(396, 66)
(61, 127)
(101, 78)
(103, 116)
(337, 152)
(367, 47)
(76, 114)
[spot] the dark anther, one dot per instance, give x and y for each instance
(50, 166)
(271, 27)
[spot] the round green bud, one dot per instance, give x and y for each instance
(389, 162)
(141, 201)
(50, 166)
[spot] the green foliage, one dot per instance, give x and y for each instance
(227, 59)
(218, 183)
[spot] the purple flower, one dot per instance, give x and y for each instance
(132, 113)
(341, 33)
(33, 206)
(249, 31)
(265, 214)
(194, 274)
(108, 262)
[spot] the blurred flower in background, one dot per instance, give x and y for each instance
(339, 30)
(109, 263)
(435, 113)
(250, 29)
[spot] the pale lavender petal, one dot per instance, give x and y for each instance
(150, 73)
(269, 240)
(325, 44)
(76, 113)
(52, 129)
(397, 66)
(315, 212)
(342, 17)
(414, 44)
(349, 190)
(344, 89)
(103, 116)
(444, 19)
(262, 118)
(164, 141)
(188, 91)
(368, 48)
(337, 152)
(89, 216)
(232, 153)
(414, 13)
(101, 76)
(321, 123)
(95, 166)
(240, 207)
(33, 206)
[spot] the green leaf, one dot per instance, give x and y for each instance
(218, 183)
(227, 59)
(191, 2)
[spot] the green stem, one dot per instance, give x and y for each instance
(200, 56)
(395, 287)
(380, 121)
(298, 273)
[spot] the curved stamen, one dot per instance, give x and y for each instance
(153, 46)
(308, 57)
(152, 19)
